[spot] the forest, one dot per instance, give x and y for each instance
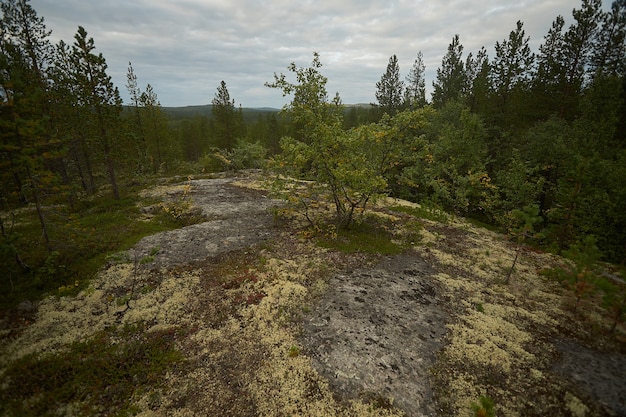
(531, 143)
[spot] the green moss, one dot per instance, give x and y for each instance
(423, 212)
(364, 238)
(93, 375)
(82, 241)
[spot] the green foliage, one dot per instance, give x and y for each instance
(390, 89)
(518, 185)
(452, 166)
(244, 155)
(613, 300)
(521, 228)
(98, 375)
(580, 275)
(294, 351)
(483, 408)
(346, 168)
(523, 222)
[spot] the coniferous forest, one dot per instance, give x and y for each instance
(522, 137)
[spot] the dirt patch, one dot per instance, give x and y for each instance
(376, 331)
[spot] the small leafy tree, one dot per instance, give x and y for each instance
(244, 155)
(343, 169)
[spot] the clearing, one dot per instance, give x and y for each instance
(266, 322)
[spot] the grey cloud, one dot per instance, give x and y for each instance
(184, 48)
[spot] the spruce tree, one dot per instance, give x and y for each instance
(451, 77)
(390, 88)
(415, 93)
(26, 145)
(225, 117)
(97, 92)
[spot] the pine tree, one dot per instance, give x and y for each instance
(97, 92)
(156, 128)
(389, 89)
(451, 77)
(137, 130)
(415, 93)
(26, 146)
(609, 46)
(69, 117)
(513, 63)
(225, 117)
(577, 48)
(511, 71)
(549, 77)
(478, 72)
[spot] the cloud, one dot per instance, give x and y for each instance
(185, 48)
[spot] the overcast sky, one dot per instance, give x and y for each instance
(184, 48)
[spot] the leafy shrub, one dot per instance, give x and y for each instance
(244, 155)
(579, 274)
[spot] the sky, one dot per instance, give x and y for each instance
(185, 48)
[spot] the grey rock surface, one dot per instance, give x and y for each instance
(598, 374)
(377, 331)
(237, 218)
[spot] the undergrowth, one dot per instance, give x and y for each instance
(81, 240)
(423, 212)
(98, 376)
(363, 237)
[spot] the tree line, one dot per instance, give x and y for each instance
(66, 134)
(521, 132)
(499, 134)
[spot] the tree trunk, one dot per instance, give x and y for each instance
(42, 220)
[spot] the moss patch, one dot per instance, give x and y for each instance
(101, 374)
(362, 237)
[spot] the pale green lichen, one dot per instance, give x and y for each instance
(575, 405)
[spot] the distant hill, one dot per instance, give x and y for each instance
(249, 113)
